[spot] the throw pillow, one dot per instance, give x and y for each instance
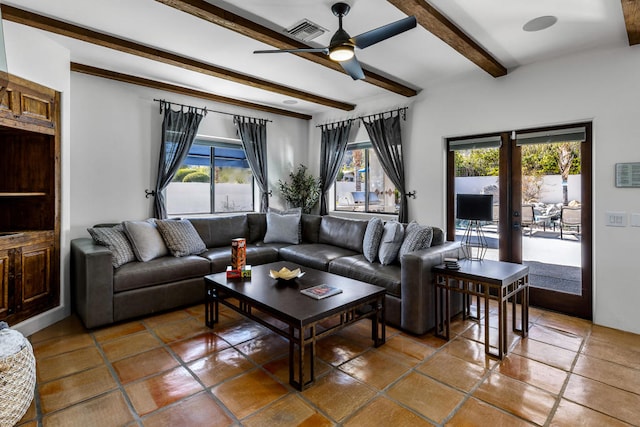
(372, 236)
(416, 237)
(283, 226)
(180, 237)
(117, 242)
(145, 239)
(390, 242)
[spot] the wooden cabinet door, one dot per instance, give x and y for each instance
(4, 284)
(34, 281)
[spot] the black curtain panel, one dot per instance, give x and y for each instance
(253, 134)
(387, 142)
(333, 145)
(179, 129)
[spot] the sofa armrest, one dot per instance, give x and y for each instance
(92, 282)
(417, 285)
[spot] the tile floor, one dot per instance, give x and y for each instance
(170, 370)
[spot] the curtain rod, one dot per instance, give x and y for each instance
(402, 111)
(204, 109)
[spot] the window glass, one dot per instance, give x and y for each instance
(212, 179)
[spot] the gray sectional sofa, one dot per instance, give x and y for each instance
(103, 294)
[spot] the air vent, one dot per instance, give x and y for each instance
(306, 30)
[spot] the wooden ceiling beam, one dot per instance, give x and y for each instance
(438, 25)
(631, 12)
(140, 81)
(231, 21)
(90, 36)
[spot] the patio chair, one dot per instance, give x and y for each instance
(570, 217)
(528, 218)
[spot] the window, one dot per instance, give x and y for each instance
(362, 185)
(193, 191)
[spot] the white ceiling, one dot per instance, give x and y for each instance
(416, 58)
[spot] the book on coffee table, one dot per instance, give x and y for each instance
(321, 291)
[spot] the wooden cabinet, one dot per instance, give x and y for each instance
(29, 200)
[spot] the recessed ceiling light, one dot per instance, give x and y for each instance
(290, 101)
(540, 23)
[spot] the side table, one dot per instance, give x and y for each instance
(489, 280)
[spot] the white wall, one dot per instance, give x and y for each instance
(34, 57)
(116, 132)
(601, 86)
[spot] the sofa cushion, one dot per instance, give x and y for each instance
(146, 241)
(416, 237)
(343, 232)
(257, 222)
(390, 242)
(371, 241)
(359, 268)
(166, 269)
(314, 255)
(181, 237)
(219, 231)
(220, 258)
(283, 226)
(310, 227)
(116, 240)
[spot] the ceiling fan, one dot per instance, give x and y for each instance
(342, 46)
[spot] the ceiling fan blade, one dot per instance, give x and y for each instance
(311, 49)
(353, 68)
(382, 33)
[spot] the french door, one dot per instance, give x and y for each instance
(541, 214)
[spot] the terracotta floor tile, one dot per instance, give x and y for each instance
(336, 349)
(67, 327)
(33, 423)
(566, 323)
(406, 349)
(616, 337)
(68, 363)
(180, 329)
(129, 345)
(164, 318)
(63, 344)
(556, 337)
(352, 394)
(241, 331)
(31, 413)
(604, 398)
(434, 401)
(280, 368)
(375, 368)
(74, 388)
(469, 350)
(518, 398)
(427, 339)
(359, 332)
(249, 392)
(198, 410)
(106, 410)
(609, 373)
(532, 372)
(161, 390)
(622, 355)
(477, 413)
(118, 331)
(546, 353)
(264, 348)
(476, 333)
(198, 346)
(196, 310)
(459, 326)
(453, 371)
(384, 412)
(570, 414)
(217, 367)
(288, 411)
(142, 365)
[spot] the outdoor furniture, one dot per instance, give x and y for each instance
(528, 217)
(570, 217)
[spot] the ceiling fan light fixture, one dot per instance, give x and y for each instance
(341, 53)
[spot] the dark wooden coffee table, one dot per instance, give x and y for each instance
(303, 315)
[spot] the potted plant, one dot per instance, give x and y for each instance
(303, 190)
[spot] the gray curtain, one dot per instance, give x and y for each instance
(179, 129)
(387, 143)
(253, 134)
(333, 145)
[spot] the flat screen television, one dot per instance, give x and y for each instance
(476, 207)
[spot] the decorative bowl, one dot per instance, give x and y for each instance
(285, 274)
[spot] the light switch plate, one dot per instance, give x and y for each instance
(616, 219)
(635, 219)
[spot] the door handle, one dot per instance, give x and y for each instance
(516, 226)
